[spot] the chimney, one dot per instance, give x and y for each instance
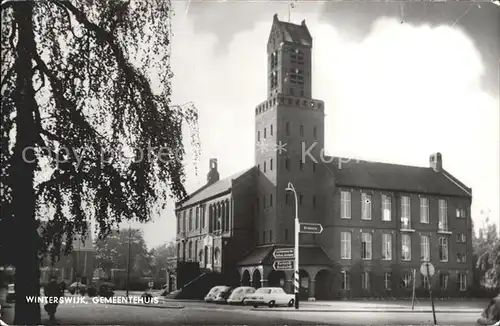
(303, 23)
(436, 162)
(275, 17)
(213, 174)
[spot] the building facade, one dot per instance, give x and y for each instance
(381, 221)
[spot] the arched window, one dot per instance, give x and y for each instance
(217, 256)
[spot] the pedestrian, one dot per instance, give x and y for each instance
(491, 315)
(53, 292)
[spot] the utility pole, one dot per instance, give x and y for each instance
(128, 260)
(296, 263)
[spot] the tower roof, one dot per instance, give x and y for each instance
(292, 33)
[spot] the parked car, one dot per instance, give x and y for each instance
(212, 294)
(239, 294)
(77, 287)
(11, 293)
(491, 315)
(271, 297)
(223, 295)
(106, 290)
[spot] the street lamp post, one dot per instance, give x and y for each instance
(128, 260)
(296, 278)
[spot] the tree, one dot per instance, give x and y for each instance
(74, 105)
(113, 252)
(162, 257)
(487, 256)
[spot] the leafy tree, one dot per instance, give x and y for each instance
(113, 252)
(77, 98)
(163, 258)
(487, 255)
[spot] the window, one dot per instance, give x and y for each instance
(345, 245)
(366, 246)
(314, 201)
(406, 247)
(315, 133)
(405, 213)
(366, 207)
(365, 280)
(184, 219)
(425, 248)
(443, 281)
(443, 216)
(197, 219)
(301, 130)
(345, 204)
(271, 130)
(443, 249)
(286, 234)
(265, 167)
(345, 280)
(406, 280)
(386, 246)
(178, 223)
(287, 128)
(270, 236)
(461, 238)
(461, 213)
(424, 210)
(203, 216)
(462, 281)
(271, 200)
(271, 165)
(386, 208)
(190, 249)
(301, 165)
(461, 257)
(258, 135)
(387, 281)
(300, 199)
(191, 219)
(425, 282)
(287, 164)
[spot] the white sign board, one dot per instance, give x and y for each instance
(427, 269)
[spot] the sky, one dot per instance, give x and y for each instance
(399, 80)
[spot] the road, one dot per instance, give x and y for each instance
(200, 313)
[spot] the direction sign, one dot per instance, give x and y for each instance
(314, 228)
(427, 269)
(283, 265)
(284, 253)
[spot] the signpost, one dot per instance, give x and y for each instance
(284, 253)
(283, 265)
(428, 270)
(313, 228)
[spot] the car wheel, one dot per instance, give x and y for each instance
(271, 304)
(256, 305)
(291, 302)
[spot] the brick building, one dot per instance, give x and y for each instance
(381, 221)
(78, 265)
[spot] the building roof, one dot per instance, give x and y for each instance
(208, 191)
(309, 255)
(386, 176)
(293, 33)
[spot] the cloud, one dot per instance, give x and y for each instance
(398, 95)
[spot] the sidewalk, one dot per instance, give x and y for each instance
(452, 306)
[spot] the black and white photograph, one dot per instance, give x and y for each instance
(250, 162)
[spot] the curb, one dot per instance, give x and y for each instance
(371, 310)
(157, 306)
